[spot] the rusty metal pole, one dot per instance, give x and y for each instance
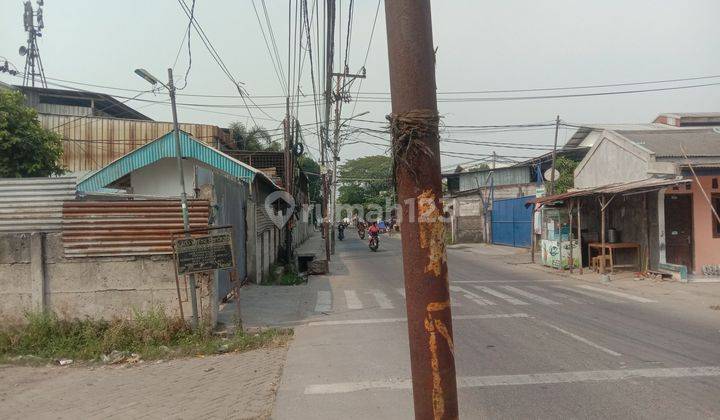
(417, 163)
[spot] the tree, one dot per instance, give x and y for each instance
(254, 139)
(566, 180)
(366, 181)
(26, 149)
(312, 169)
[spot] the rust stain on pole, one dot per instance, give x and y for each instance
(416, 151)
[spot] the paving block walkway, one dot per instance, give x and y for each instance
(232, 386)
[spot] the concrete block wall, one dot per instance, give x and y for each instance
(35, 275)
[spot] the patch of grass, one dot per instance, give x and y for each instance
(152, 334)
(283, 276)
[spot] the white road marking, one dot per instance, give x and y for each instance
(500, 295)
(582, 340)
(619, 294)
(352, 300)
(531, 296)
(323, 302)
(382, 299)
(401, 291)
(472, 296)
(561, 295)
(391, 320)
(529, 379)
(589, 294)
(504, 281)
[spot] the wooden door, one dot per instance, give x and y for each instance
(678, 230)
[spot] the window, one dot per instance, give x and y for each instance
(716, 225)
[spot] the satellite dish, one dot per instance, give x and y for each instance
(548, 174)
(22, 50)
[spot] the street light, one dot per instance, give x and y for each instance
(170, 86)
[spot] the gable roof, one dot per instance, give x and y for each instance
(164, 147)
(668, 143)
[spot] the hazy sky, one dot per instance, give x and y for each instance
(482, 45)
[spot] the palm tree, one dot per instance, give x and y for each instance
(255, 139)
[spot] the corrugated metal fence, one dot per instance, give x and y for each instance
(34, 204)
(124, 228)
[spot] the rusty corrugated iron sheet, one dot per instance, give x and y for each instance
(126, 228)
(34, 204)
(90, 143)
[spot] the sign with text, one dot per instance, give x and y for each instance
(203, 253)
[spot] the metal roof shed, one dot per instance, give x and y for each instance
(164, 147)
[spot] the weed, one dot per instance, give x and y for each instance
(152, 334)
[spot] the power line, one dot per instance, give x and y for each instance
(190, 21)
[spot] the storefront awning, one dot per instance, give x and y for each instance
(645, 185)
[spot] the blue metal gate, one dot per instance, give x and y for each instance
(511, 222)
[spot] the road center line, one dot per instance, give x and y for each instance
(619, 294)
(531, 379)
(391, 320)
(582, 340)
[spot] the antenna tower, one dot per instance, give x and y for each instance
(33, 22)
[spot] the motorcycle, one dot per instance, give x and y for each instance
(361, 231)
(374, 243)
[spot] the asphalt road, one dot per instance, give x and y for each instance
(527, 345)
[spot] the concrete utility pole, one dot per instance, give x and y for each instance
(414, 127)
(554, 152)
(325, 136)
(289, 174)
(183, 194)
(340, 85)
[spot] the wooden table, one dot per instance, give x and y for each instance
(610, 247)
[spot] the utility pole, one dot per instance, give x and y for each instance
(554, 152)
(289, 174)
(340, 85)
(414, 126)
(183, 194)
(325, 135)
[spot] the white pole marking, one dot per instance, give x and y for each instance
(620, 294)
(472, 296)
(352, 300)
(582, 340)
(531, 296)
(500, 295)
(324, 301)
(529, 379)
(391, 320)
(382, 299)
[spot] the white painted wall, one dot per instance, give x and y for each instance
(162, 179)
(609, 162)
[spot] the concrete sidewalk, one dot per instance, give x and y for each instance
(238, 386)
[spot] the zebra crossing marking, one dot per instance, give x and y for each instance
(401, 291)
(324, 301)
(472, 296)
(619, 294)
(589, 294)
(501, 295)
(531, 296)
(352, 300)
(382, 299)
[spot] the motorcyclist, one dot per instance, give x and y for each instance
(373, 230)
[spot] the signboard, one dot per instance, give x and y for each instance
(204, 253)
